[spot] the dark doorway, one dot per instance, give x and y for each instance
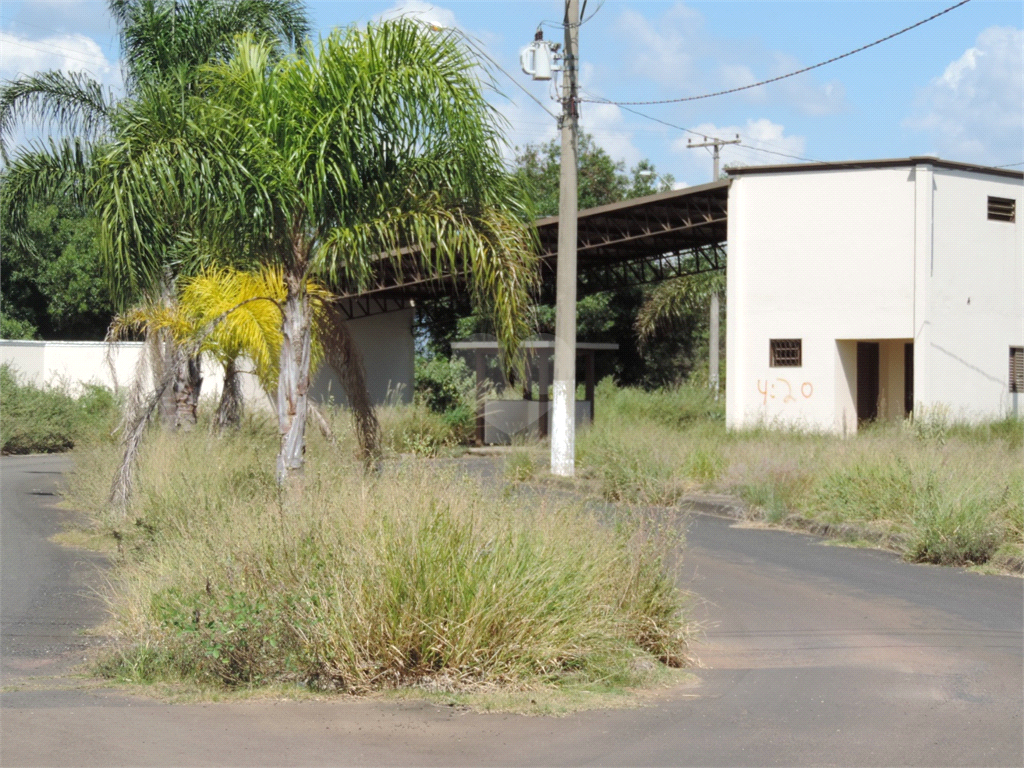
(867, 381)
(908, 379)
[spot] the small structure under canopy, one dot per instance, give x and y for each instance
(498, 421)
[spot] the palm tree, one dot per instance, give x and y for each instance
(229, 314)
(379, 146)
(163, 45)
(678, 304)
(160, 40)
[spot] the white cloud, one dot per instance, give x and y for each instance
(69, 52)
(974, 111)
(664, 53)
(760, 134)
(527, 124)
(804, 92)
(606, 123)
(421, 11)
(676, 52)
(87, 17)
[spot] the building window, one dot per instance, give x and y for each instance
(786, 353)
(1002, 209)
(1017, 369)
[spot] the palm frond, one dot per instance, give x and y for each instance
(240, 312)
(63, 171)
(163, 40)
(672, 303)
(71, 101)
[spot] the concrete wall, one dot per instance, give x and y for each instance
(385, 340)
(389, 356)
(889, 255)
(73, 362)
(820, 257)
(973, 279)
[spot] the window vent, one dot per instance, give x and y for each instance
(1017, 369)
(1002, 209)
(786, 353)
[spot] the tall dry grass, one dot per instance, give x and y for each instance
(369, 581)
(935, 490)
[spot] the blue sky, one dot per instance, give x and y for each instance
(953, 87)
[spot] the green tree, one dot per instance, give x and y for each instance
(379, 144)
(163, 45)
(601, 179)
(55, 288)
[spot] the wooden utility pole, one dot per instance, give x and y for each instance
(563, 422)
(714, 350)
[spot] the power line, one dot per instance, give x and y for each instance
(478, 48)
(65, 52)
(562, 25)
(790, 74)
(696, 133)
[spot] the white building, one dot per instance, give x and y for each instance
(864, 290)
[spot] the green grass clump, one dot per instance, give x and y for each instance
(415, 429)
(520, 466)
(372, 581)
(936, 490)
(670, 407)
(49, 419)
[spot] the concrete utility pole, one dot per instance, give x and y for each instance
(714, 349)
(717, 144)
(563, 423)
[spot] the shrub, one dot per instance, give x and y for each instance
(415, 429)
(48, 419)
(376, 581)
(954, 529)
(520, 466)
(671, 407)
(444, 385)
(939, 490)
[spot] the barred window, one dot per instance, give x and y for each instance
(786, 353)
(1002, 209)
(1017, 369)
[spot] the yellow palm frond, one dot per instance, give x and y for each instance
(240, 314)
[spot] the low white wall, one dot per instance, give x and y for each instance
(385, 340)
(505, 420)
(73, 363)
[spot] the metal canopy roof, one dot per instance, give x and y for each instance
(645, 239)
(626, 243)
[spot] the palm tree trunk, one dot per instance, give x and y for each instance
(345, 360)
(188, 382)
(229, 410)
(163, 361)
(293, 384)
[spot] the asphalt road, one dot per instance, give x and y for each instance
(814, 655)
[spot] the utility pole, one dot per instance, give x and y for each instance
(563, 423)
(714, 347)
(717, 144)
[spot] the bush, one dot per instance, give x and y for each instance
(444, 385)
(415, 429)
(48, 419)
(938, 490)
(954, 530)
(375, 582)
(670, 407)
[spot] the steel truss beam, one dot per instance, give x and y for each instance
(365, 305)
